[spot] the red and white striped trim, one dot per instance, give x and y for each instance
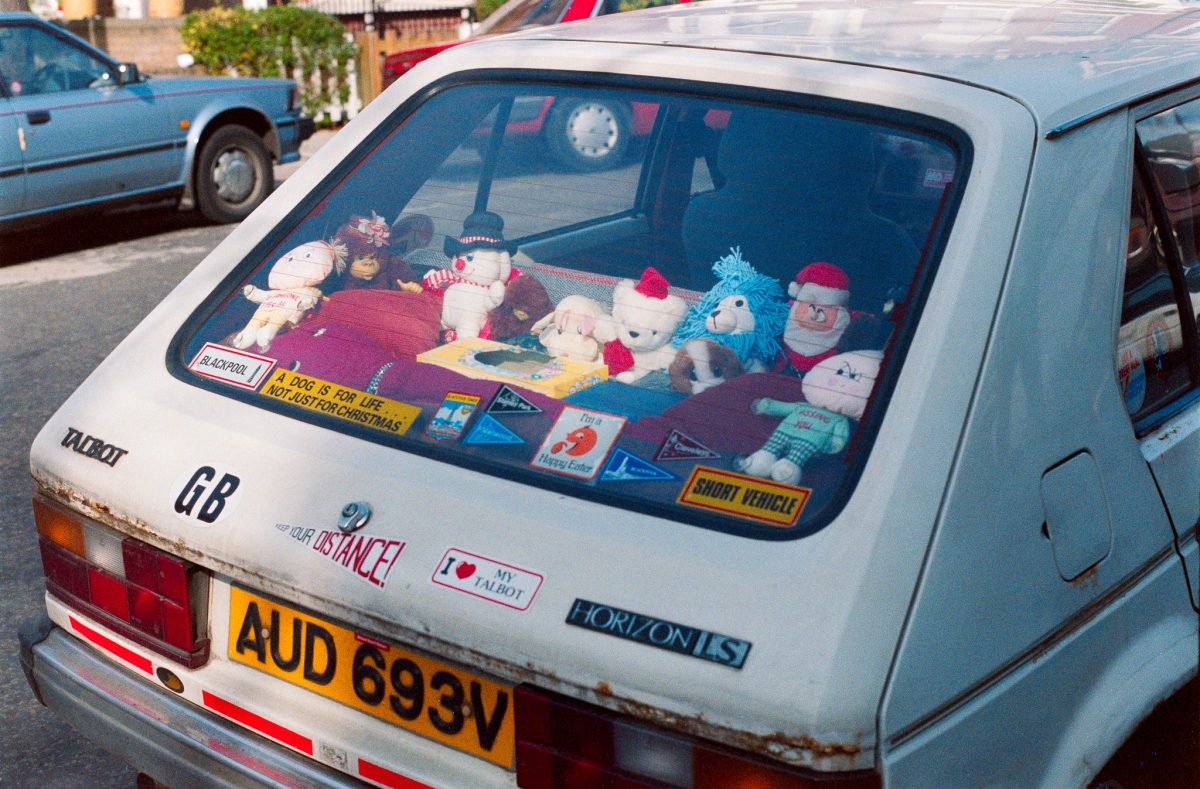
(260, 724)
(112, 647)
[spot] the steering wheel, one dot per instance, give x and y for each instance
(49, 78)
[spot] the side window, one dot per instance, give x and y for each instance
(1151, 362)
(32, 61)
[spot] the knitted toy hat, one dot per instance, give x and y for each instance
(821, 283)
(482, 229)
(652, 284)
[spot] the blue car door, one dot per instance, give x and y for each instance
(86, 136)
(12, 169)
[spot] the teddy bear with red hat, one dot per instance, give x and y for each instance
(644, 318)
(819, 315)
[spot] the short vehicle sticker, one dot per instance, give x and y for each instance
(488, 431)
(660, 633)
(206, 495)
(239, 368)
(352, 405)
(749, 497)
(451, 417)
(625, 466)
(490, 579)
(508, 401)
(369, 557)
(578, 442)
(679, 446)
(92, 447)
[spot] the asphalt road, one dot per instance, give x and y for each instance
(69, 293)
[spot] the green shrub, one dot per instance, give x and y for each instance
(484, 8)
(278, 41)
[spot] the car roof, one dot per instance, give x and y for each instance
(1064, 59)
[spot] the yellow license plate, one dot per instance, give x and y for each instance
(426, 696)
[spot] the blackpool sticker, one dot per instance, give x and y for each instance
(578, 443)
(627, 467)
(492, 580)
(370, 558)
(748, 497)
(368, 410)
(681, 447)
(507, 401)
(488, 431)
(240, 368)
(691, 641)
(451, 417)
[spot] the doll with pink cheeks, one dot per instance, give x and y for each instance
(292, 291)
(835, 390)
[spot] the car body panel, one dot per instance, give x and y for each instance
(12, 161)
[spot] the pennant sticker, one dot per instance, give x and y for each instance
(488, 431)
(578, 443)
(452, 415)
(507, 401)
(681, 447)
(627, 467)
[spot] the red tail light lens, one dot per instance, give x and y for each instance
(149, 596)
(563, 743)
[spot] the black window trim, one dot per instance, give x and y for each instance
(956, 140)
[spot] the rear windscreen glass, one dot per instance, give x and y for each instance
(682, 304)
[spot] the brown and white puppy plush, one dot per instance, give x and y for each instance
(702, 364)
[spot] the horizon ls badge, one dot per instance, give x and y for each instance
(660, 633)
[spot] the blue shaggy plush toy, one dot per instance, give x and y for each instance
(745, 311)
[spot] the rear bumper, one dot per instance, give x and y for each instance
(154, 730)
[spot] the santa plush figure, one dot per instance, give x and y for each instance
(819, 315)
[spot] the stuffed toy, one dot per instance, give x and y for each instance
(819, 315)
(525, 303)
(569, 331)
(293, 292)
(644, 318)
(745, 311)
(372, 263)
(481, 268)
(702, 364)
(836, 391)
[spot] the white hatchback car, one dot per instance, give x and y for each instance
(848, 434)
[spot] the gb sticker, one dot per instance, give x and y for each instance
(206, 495)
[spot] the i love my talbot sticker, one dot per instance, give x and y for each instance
(495, 581)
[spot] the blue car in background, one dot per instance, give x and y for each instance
(82, 132)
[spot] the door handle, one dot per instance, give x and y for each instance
(37, 117)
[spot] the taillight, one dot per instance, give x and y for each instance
(147, 595)
(563, 743)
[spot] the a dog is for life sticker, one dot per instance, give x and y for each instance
(748, 497)
(578, 443)
(480, 576)
(240, 368)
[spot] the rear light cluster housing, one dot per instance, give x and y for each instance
(564, 743)
(151, 597)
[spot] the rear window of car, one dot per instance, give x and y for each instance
(685, 303)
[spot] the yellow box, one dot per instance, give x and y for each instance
(495, 361)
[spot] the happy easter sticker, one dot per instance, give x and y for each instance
(578, 443)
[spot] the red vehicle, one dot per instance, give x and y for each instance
(581, 135)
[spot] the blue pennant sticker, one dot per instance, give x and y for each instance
(488, 431)
(626, 467)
